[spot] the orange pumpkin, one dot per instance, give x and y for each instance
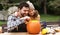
(33, 27)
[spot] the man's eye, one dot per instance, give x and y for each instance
(24, 10)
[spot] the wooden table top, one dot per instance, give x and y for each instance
(20, 33)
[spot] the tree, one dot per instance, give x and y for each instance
(4, 4)
(45, 10)
(54, 6)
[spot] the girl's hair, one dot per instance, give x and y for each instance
(30, 5)
(35, 14)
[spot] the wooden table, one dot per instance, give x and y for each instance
(20, 33)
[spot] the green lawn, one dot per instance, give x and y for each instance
(2, 22)
(50, 18)
(47, 18)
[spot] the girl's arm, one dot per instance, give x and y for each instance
(38, 17)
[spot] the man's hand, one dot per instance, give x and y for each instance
(27, 19)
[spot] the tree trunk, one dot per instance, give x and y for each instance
(45, 10)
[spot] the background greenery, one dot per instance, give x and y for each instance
(47, 18)
(49, 10)
(51, 6)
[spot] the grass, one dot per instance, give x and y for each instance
(47, 18)
(2, 22)
(50, 18)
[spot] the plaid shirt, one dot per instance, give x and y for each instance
(13, 22)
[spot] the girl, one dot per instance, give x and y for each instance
(34, 15)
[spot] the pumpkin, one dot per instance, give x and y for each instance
(33, 27)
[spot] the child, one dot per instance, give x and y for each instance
(34, 15)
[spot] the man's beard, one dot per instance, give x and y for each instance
(23, 15)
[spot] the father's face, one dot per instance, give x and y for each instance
(24, 11)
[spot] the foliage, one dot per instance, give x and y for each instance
(54, 6)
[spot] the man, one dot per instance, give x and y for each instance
(14, 23)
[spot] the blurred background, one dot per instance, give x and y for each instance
(49, 10)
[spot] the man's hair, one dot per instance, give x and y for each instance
(23, 4)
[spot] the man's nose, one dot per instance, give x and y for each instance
(27, 12)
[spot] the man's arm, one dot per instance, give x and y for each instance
(13, 22)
